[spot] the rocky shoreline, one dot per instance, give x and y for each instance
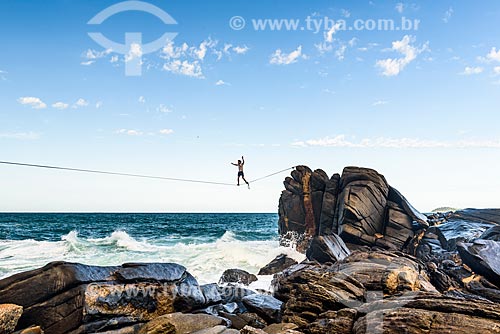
(374, 264)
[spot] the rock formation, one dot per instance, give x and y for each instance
(359, 206)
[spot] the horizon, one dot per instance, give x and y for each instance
(418, 103)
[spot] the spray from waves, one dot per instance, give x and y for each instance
(206, 261)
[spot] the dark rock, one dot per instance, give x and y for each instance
(237, 276)
(490, 216)
(493, 233)
(429, 313)
(9, 316)
(329, 248)
(280, 263)
(483, 257)
(67, 297)
(338, 322)
(361, 205)
(385, 271)
(309, 290)
(211, 293)
(266, 306)
(230, 294)
(180, 323)
(329, 203)
(238, 321)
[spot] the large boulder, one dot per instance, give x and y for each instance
(427, 313)
(237, 276)
(329, 248)
(483, 256)
(266, 306)
(68, 297)
(180, 323)
(278, 264)
(360, 206)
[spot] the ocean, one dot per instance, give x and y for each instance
(205, 243)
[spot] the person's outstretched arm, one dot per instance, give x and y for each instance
(242, 160)
(232, 163)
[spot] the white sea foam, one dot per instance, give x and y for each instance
(206, 261)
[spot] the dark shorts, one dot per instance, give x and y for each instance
(241, 174)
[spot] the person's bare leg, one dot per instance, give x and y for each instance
(238, 180)
(244, 179)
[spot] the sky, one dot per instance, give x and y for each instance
(327, 84)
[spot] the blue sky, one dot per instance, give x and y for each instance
(419, 105)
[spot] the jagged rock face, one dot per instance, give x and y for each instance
(360, 206)
(66, 297)
(309, 290)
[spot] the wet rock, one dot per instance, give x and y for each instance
(180, 323)
(280, 263)
(266, 306)
(483, 257)
(329, 248)
(237, 276)
(9, 316)
(230, 294)
(493, 233)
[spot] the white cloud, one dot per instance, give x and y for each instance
(34, 102)
(2, 75)
(280, 58)
(135, 52)
(379, 103)
(141, 99)
(164, 109)
(496, 70)
(447, 15)
(166, 131)
(345, 13)
(60, 105)
(222, 83)
(186, 68)
(393, 66)
(494, 55)
(92, 55)
(19, 135)
(399, 143)
(129, 132)
(80, 103)
(340, 52)
(400, 7)
(472, 70)
(241, 49)
(98, 104)
(114, 59)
